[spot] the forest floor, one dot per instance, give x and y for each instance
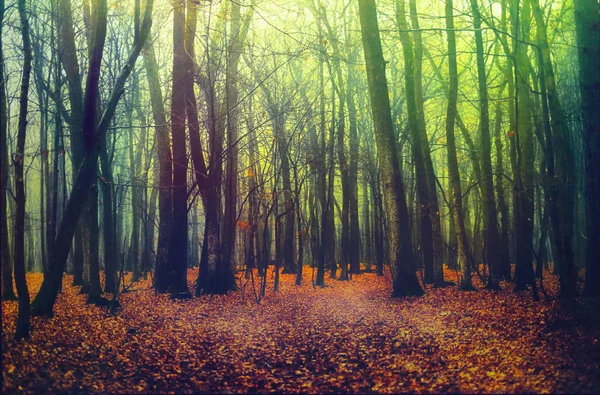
(346, 337)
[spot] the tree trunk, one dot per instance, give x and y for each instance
(354, 232)
(329, 216)
(178, 243)
(425, 225)
(6, 262)
(133, 261)
(436, 271)
(321, 180)
(69, 58)
(341, 153)
(405, 282)
(457, 207)
(287, 238)
(139, 180)
(301, 230)
(163, 144)
(231, 178)
(523, 204)
(368, 254)
(22, 327)
(504, 256)
(43, 98)
(563, 205)
(253, 208)
(378, 227)
(91, 251)
(149, 261)
(490, 217)
(53, 188)
(214, 276)
(588, 44)
(110, 230)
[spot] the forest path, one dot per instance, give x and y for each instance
(348, 336)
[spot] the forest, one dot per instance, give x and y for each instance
(359, 196)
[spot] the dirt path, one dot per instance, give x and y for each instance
(347, 337)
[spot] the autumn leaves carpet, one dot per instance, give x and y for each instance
(346, 337)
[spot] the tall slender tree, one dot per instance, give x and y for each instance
(588, 45)
(490, 216)
(456, 190)
(22, 327)
(523, 202)
(562, 205)
(434, 274)
(163, 148)
(416, 130)
(69, 58)
(8, 292)
(238, 30)
(178, 245)
(405, 281)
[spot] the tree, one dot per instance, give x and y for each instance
(8, 292)
(239, 29)
(405, 282)
(588, 46)
(22, 328)
(433, 274)
(561, 193)
(354, 232)
(163, 144)
(425, 225)
(214, 276)
(44, 301)
(524, 191)
(178, 243)
(69, 59)
(490, 216)
(324, 251)
(109, 228)
(456, 208)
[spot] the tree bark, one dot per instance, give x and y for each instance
(109, 228)
(563, 206)
(435, 273)
(423, 197)
(378, 225)
(367, 244)
(405, 281)
(178, 243)
(253, 208)
(69, 59)
(354, 249)
(490, 216)
(588, 44)
(22, 327)
(457, 207)
(231, 173)
(163, 146)
(505, 270)
(341, 153)
(8, 292)
(523, 203)
(90, 244)
(325, 250)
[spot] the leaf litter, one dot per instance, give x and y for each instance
(347, 337)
